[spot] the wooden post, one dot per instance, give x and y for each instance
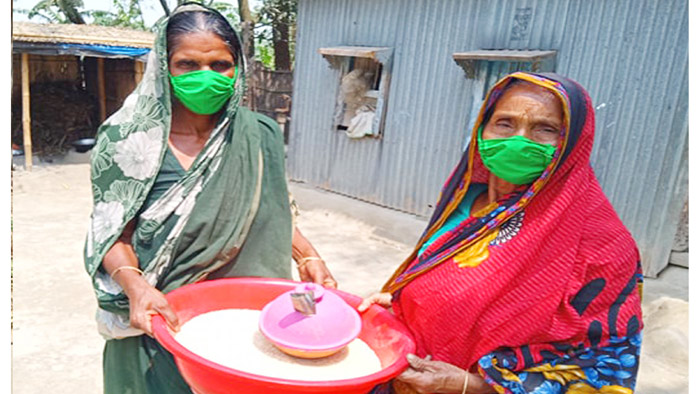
(26, 113)
(138, 71)
(101, 88)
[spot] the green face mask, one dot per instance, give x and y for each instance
(517, 159)
(204, 92)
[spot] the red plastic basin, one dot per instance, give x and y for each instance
(385, 334)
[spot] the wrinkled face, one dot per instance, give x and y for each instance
(201, 51)
(527, 110)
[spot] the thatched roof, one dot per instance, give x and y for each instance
(80, 34)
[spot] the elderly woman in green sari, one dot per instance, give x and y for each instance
(187, 186)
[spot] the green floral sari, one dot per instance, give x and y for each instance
(227, 216)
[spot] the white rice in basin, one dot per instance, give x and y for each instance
(231, 338)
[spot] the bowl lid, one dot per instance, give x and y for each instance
(333, 325)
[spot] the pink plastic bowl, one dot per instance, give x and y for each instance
(385, 334)
(334, 325)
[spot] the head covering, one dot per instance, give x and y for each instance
(182, 238)
(562, 270)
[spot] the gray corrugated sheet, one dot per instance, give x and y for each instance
(631, 55)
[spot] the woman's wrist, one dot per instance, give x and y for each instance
(131, 282)
(304, 260)
(465, 382)
(477, 385)
(455, 383)
(302, 250)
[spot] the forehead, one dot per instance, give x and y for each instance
(197, 44)
(528, 92)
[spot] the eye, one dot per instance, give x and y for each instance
(548, 130)
(505, 123)
(221, 66)
(187, 64)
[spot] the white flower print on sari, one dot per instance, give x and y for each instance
(147, 113)
(165, 206)
(148, 85)
(125, 113)
(113, 326)
(123, 191)
(139, 155)
(106, 284)
(106, 219)
(186, 207)
(156, 267)
(102, 156)
(96, 193)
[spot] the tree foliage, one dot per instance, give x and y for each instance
(276, 27)
(128, 14)
(57, 11)
(278, 11)
(274, 22)
(70, 9)
(227, 9)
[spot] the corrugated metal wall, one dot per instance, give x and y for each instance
(631, 55)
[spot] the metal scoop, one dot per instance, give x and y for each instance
(304, 302)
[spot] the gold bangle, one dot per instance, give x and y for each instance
(466, 383)
(125, 267)
(304, 260)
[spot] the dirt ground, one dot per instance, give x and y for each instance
(56, 347)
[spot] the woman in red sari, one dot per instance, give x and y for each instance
(525, 280)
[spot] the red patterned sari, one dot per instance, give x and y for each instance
(553, 304)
